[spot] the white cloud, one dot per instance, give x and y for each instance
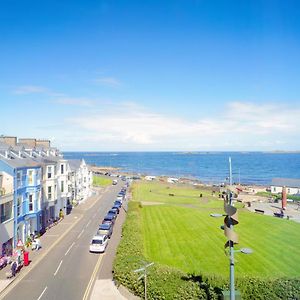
(239, 126)
(74, 101)
(30, 89)
(108, 81)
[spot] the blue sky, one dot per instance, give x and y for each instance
(152, 75)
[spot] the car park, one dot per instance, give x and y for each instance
(98, 243)
(105, 229)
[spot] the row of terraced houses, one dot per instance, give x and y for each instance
(37, 185)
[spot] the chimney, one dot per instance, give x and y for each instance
(28, 141)
(43, 143)
(9, 140)
(284, 200)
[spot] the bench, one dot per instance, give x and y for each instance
(278, 215)
(259, 211)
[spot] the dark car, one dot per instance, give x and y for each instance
(106, 229)
(118, 204)
(110, 218)
(112, 212)
(116, 208)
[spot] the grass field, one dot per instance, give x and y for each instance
(181, 233)
(101, 181)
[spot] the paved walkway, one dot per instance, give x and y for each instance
(292, 211)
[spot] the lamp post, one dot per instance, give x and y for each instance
(231, 219)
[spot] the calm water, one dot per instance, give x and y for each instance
(253, 167)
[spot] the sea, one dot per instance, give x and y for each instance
(209, 167)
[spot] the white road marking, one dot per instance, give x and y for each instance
(70, 248)
(58, 268)
(42, 293)
(88, 224)
(79, 235)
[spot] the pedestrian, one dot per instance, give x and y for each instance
(14, 266)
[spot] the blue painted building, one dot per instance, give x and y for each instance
(27, 196)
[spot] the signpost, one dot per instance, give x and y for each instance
(143, 270)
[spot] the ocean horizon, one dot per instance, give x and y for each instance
(211, 167)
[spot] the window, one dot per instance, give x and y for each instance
(30, 177)
(19, 205)
(49, 172)
(6, 211)
(49, 192)
(19, 179)
(62, 187)
(61, 169)
(30, 201)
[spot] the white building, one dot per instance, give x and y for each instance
(81, 179)
(292, 185)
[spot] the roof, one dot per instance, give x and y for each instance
(21, 162)
(74, 164)
(45, 161)
(289, 182)
(4, 146)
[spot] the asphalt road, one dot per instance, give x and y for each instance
(66, 271)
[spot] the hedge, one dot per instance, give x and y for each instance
(164, 282)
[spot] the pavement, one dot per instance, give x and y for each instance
(76, 270)
(292, 212)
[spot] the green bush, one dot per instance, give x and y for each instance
(164, 282)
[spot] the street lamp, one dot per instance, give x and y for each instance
(231, 219)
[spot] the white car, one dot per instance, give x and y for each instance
(120, 198)
(99, 243)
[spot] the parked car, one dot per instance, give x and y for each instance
(105, 229)
(112, 212)
(117, 204)
(116, 208)
(115, 182)
(99, 243)
(110, 218)
(120, 199)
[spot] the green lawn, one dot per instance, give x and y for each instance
(183, 235)
(101, 181)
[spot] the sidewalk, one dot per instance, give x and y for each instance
(48, 241)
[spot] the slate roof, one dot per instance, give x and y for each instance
(21, 162)
(74, 164)
(288, 182)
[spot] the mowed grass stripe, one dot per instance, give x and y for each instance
(191, 240)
